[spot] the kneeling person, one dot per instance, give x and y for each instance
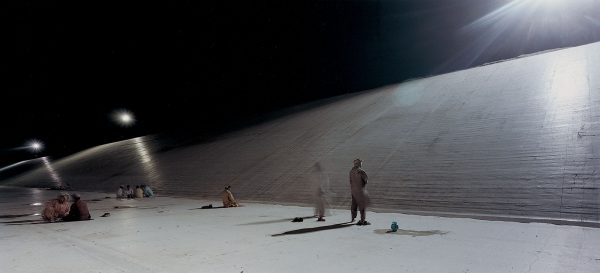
(228, 200)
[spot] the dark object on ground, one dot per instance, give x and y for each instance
(321, 219)
(105, 214)
(298, 219)
(363, 223)
(207, 207)
(314, 229)
(59, 188)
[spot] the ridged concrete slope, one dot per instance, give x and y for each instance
(518, 138)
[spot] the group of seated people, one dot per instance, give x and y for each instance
(141, 191)
(59, 209)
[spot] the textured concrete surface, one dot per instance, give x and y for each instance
(518, 138)
(166, 234)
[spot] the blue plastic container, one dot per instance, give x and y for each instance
(394, 226)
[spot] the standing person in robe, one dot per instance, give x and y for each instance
(360, 198)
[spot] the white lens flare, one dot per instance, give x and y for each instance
(35, 145)
(124, 118)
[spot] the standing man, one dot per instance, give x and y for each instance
(360, 198)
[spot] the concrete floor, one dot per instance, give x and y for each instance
(166, 234)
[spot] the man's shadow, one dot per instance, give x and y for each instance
(413, 233)
(315, 229)
(25, 222)
(275, 221)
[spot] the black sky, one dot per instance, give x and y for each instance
(199, 67)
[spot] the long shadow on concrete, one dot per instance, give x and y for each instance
(274, 221)
(314, 229)
(25, 222)
(15, 215)
(413, 233)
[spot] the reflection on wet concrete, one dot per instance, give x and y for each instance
(413, 233)
(148, 163)
(53, 174)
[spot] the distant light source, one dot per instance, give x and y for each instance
(35, 146)
(124, 118)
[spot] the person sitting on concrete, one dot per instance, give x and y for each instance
(139, 193)
(129, 192)
(121, 192)
(147, 191)
(56, 209)
(228, 199)
(79, 210)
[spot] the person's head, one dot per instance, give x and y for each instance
(121, 186)
(357, 162)
(317, 167)
(75, 196)
(128, 186)
(137, 187)
(228, 187)
(61, 198)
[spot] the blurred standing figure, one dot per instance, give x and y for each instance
(228, 200)
(322, 184)
(360, 198)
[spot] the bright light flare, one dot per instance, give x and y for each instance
(35, 145)
(526, 25)
(124, 118)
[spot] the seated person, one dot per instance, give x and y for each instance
(147, 191)
(121, 192)
(79, 210)
(56, 209)
(228, 200)
(129, 192)
(139, 193)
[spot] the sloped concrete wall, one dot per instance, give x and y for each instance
(519, 137)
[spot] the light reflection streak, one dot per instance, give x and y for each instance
(53, 174)
(408, 93)
(147, 162)
(567, 98)
(569, 80)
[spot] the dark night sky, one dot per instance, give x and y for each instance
(199, 67)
